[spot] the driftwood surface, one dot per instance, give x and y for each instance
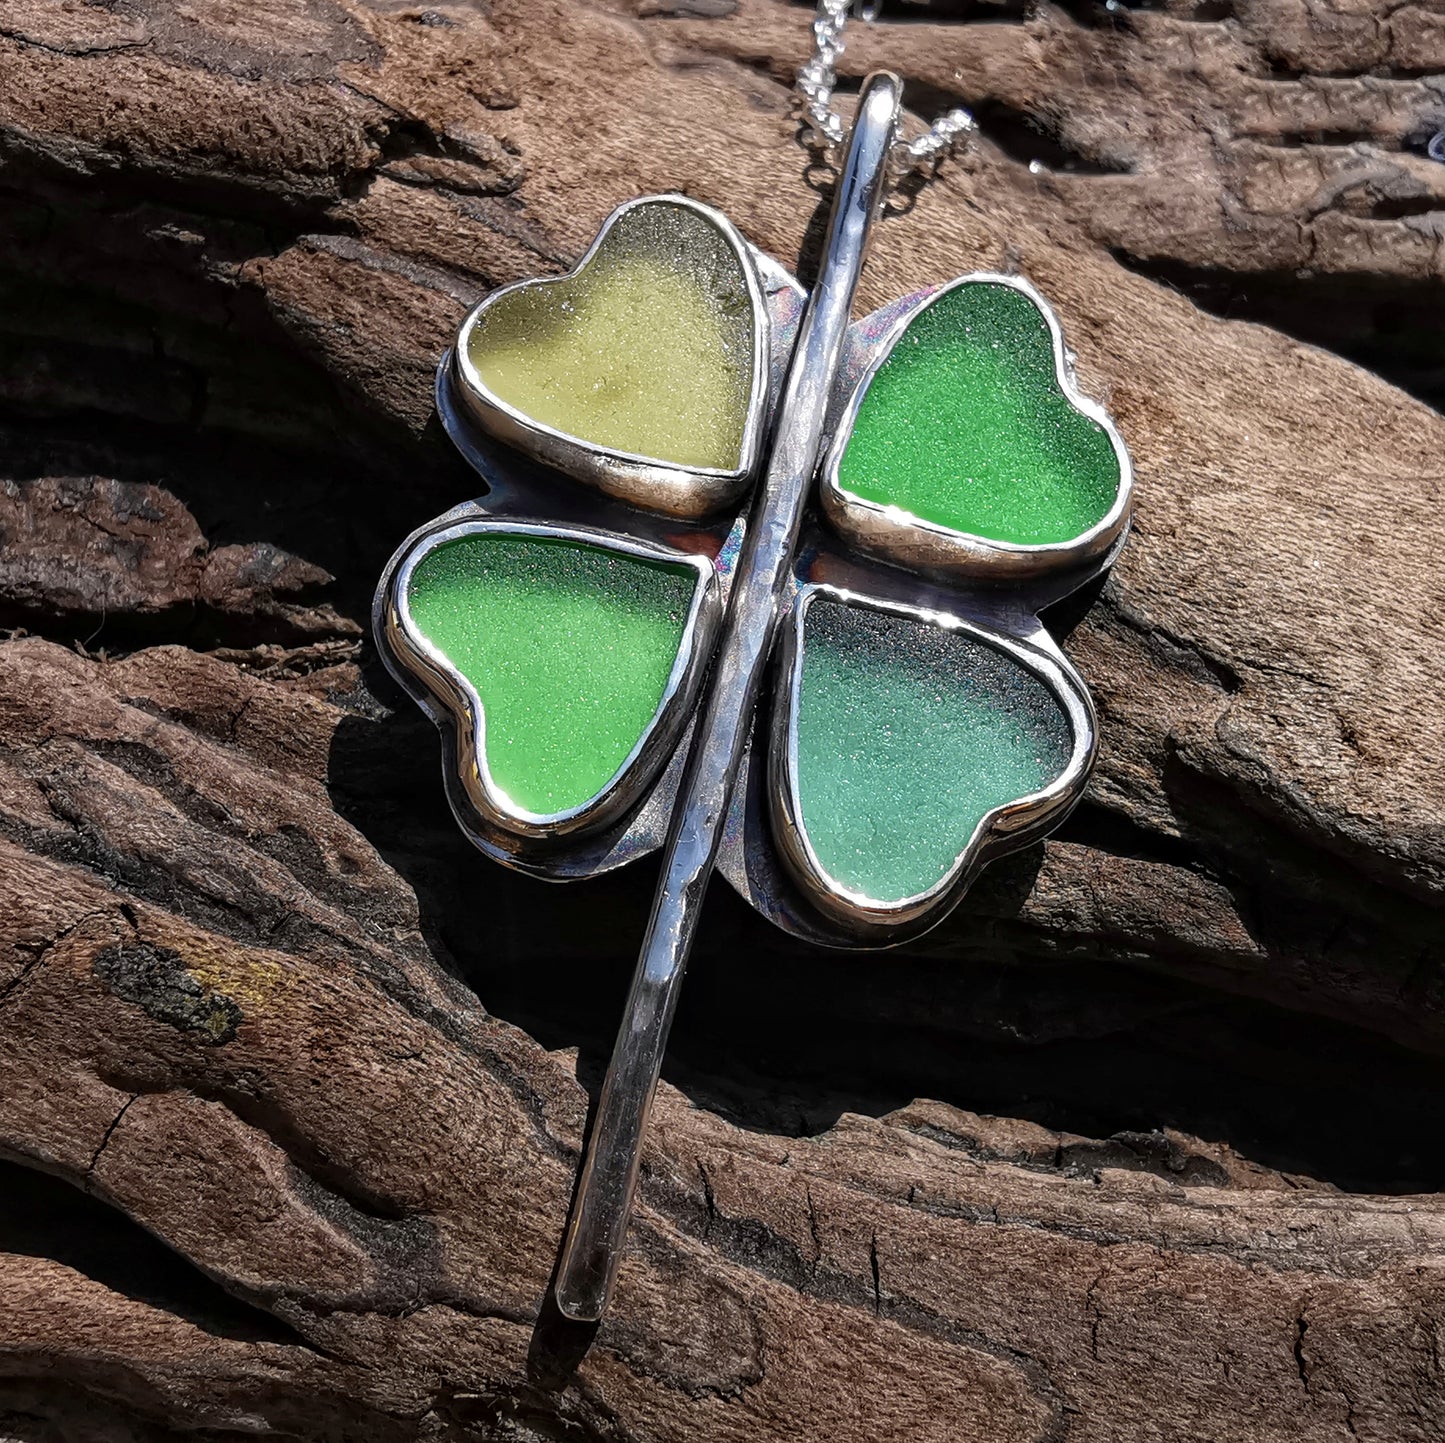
(1144, 1144)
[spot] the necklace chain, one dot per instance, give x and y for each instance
(816, 81)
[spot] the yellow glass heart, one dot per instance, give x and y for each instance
(647, 349)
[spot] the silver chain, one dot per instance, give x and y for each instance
(947, 134)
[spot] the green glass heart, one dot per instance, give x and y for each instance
(966, 425)
(907, 736)
(569, 646)
(647, 349)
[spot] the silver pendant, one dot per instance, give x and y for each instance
(848, 708)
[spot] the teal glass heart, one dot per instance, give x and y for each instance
(905, 740)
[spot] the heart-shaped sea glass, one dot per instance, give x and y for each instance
(643, 371)
(905, 740)
(969, 447)
(570, 660)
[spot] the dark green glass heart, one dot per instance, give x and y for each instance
(966, 425)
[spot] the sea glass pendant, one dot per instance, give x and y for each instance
(643, 372)
(907, 745)
(568, 660)
(967, 449)
(918, 724)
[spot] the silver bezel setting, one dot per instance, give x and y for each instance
(1004, 829)
(907, 540)
(459, 698)
(665, 486)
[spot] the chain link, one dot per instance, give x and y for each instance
(816, 80)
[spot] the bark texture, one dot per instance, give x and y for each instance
(292, 1083)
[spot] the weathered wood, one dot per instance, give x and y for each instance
(252, 981)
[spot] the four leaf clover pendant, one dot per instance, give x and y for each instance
(757, 588)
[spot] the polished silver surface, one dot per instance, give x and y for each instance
(598, 1226)
(1002, 830)
(909, 541)
(639, 769)
(688, 491)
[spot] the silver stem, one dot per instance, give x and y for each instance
(598, 1228)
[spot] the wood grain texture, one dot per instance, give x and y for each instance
(1143, 1144)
